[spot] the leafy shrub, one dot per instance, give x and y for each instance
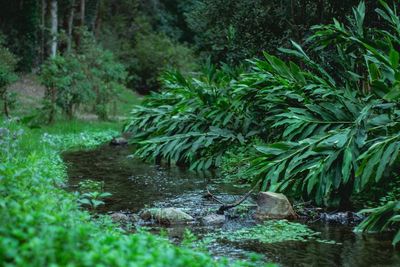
(91, 77)
(66, 83)
(106, 75)
(337, 136)
(153, 54)
(193, 120)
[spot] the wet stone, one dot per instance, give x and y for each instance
(166, 215)
(119, 141)
(213, 219)
(119, 217)
(273, 206)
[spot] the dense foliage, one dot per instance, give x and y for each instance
(328, 120)
(317, 119)
(153, 54)
(193, 120)
(41, 224)
(91, 77)
(235, 30)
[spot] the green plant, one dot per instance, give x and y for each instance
(106, 75)
(66, 83)
(333, 137)
(193, 120)
(88, 185)
(91, 77)
(93, 199)
(271, 232)
(386, 217)
(155, 53)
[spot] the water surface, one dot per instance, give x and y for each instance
(136, 185)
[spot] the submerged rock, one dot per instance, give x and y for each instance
(119, 217)
(119, 141)
(212, 219)
(344, 218)
(166, 215)
(273, 206)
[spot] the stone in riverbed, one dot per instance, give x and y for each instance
(119, 141)
(273, 206)
(166, 215)
(119, 217)
(213, 219)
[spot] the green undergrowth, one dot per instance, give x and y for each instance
(269, 232)
(42, 225)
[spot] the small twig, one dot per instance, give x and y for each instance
(209, 194)
(227, 206)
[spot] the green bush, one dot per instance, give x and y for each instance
(192, 120)
(91, 77)
(154, 53)
(106, 75)
(66, 83)
(42, 225)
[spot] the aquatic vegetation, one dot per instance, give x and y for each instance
(88, 185)
(84, 139)
(269, 232)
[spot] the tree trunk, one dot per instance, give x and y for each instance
(94, 21)
(320, 11)
(5, 103)
(43, 32)
(54, 28)
(83, 6)
(70, 111)
(53, 52)
(53, 98)
(70, 26)
(81, 22)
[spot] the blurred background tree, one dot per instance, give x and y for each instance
(148, 37)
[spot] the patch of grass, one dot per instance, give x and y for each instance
(41, 224)
(29, 100)
(126, 100)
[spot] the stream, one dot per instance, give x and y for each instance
(135, 185)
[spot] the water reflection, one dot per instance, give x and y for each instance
(135, 185)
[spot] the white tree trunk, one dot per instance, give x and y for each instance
(70, 25)
(83, 6)
(43, 32)
(54, 28)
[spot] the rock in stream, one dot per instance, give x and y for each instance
(166, 215)
(273, 206)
